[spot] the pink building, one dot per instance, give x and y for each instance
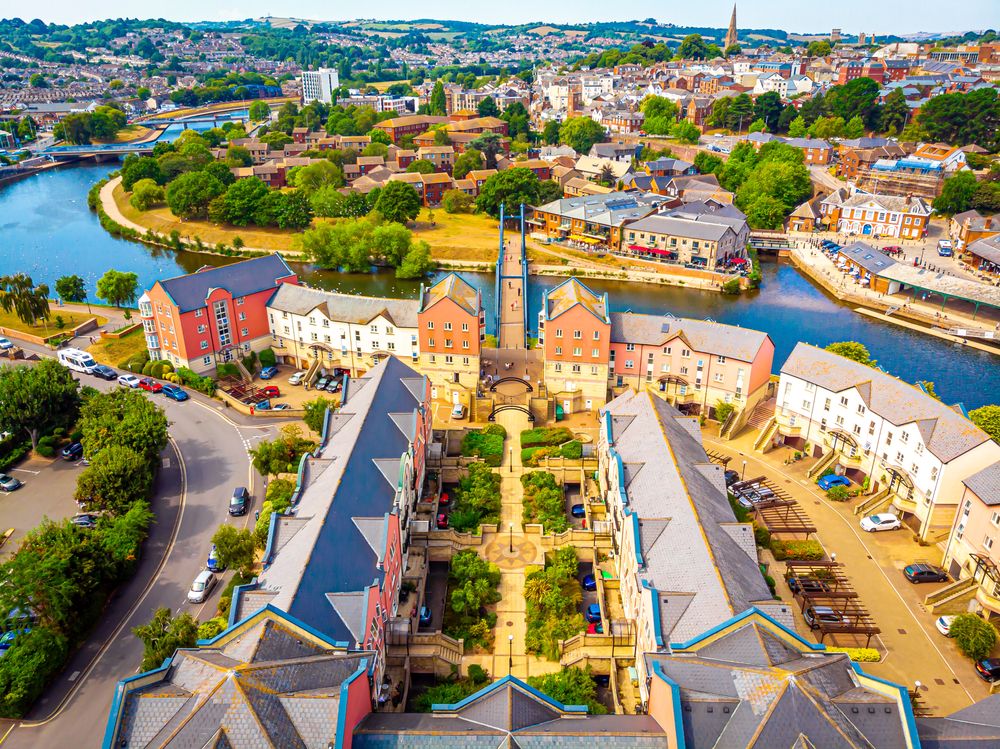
(973, 554)
(451, 327)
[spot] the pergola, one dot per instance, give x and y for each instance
(718, 458)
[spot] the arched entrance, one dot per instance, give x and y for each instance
(493, 387)
(866, 229)
(511, 407)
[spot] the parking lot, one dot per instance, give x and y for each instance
(434, 595)
(47, 493)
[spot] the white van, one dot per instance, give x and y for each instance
(77, 360)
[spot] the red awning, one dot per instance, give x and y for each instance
(653, 250)
(738, 260)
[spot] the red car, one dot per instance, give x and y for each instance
(150, 385)
(271, 391)
(444, 499)
(442, 521)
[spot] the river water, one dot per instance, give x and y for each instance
(47, 231)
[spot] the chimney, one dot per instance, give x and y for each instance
(988, 223)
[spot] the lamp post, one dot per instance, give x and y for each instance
(511, 548)
(512, 460)
(510, 654)
(744, 473)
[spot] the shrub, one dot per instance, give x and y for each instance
(974, 636)
(477, 499)
(226, 597)
(806, 551)
(46, 451)
(742, 513)
(544, 502)
(204, 385)
(552, 595)
(572, 450)
(478, 674)
(761, 536)
(485, 444)
(215, 625)
(147, 369)
(267, 358)
(530, 456)
(858, 655)
(838, 494)
(571, 686)
(472, 585)
(543, 436)
(227, 369)
(27, 667)
(722, 410)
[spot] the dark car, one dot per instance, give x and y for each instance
(593, 613)
(924, 573)
(240, 502)
(321, 383)
(442, 520)
(807, 585)
(425, 616)
(732, 477)
(988, 669)
(72, 451)
(175, 392)
(589, 582)
(150, 385)
(104, 372)
(578, 511)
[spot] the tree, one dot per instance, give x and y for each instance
(438, 103)
(473, 583)
(423, 166)
(163, 635)
(18, 294)
(511, 187)
(238, 156)
(987, 418)
(456, 201)
(797, 128)
(580, 133)
(895, 111)
(858, 97)
(488, 107)
(659, 115)
(240, 203)
(732, 49)
(282, 454)
(142, 93)
(757, 126)
(852, 350)
(739, 112)
(549, 190)
(693, 47)
(974, 636)
(71, 288)
(35, 400)
(686, 132)
(116, 477)
(855, 127)
(398, 202)
(189, 195)
(490, 145)
(707, 163)
(818, 49)
(956, 194)
(416, 263)
(787, 116)
(118, 288)
(123, 417)
(316, 413)
(477, 498)
(550, 133)
(145, 194)
(235, 548)
(960, 119)
(135, 168)
(258, 111)
(571, 686)
(768, 107)
(27, 667)
(986, 198)
(469, 160)
(380, 136)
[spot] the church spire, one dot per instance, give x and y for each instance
(731, 35)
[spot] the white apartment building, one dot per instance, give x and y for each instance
(684, 563)
(593, 86)
(319, 85)
(784, 87)
(913, 451)
(343, 331)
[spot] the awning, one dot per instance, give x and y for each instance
(738, 260)
(577, 238)
(652, 250)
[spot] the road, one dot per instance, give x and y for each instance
(207, 458)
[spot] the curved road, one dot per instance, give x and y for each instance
(207, 458)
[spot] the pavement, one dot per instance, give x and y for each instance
(207, 457)
(913, 649)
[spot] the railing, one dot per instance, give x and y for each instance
(766, 434)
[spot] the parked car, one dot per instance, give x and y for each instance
(945, 248)
(595, 628)
(175, 392)
(749, 498)
(602, 680)
(264, 405)
(816, 616)
(201, 586)
(239, 502)
(444, 500)
(593, 613)
(150, 385)
(589, 582)
(9, 483)
(298, 378)
(442, 520)
(7, 638)
(128, 380)
(826, 483)
(5, 343)
(458, 411)
(84, 520)
(924, 573)
(105, 372)
(268, 372)
(281, 407)
(732, 477)
(988, 669)
(578, 511)
(334, 386)
(943, 624)
(321, 383)
(807, 585)
(426, 616)
(72, 451)
(884, 521)
(270, 391)
(212, 563)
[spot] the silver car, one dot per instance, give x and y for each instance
(201, 587)
(9, 483)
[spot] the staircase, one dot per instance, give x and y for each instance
(244, 372)
(311, 372)
(822, 464)
(873, 504)
(764, 438)
(954, 593)
(727, 426)
(762, 413)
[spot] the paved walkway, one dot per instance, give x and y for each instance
(512, 293)
(914, 650)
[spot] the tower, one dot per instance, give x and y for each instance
(731, 34)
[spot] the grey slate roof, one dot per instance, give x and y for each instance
(975, 726)
(946, 433)
(986, 484)
(240, 279)
(608, 209)
(987, 248)
(353, 308)
(715, 338)
(680, 227)
(871, 259)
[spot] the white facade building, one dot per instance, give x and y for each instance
(319, 85)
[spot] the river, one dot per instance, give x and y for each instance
(47, 231)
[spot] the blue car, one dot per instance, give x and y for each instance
(268, 372)
(213, 563)
(831, 480)
(578, 511)
(425, 616)
(7, 639)
(175, 392)
(589, 582)
(593, 613)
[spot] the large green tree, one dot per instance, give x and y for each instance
(974, 636)
(35, 400)
(956, 194)
(469, 160)
(961, 119)
(125, 418)
(659, 115)
(438, 103)
(768, 107)
(71, 288)
(116, 477)
(490, 145)
(571, 686)
(987, 418)
(852, 350)
(241, 203)
(118, 288)
(895, 111)
(258, 111)
(20, 295)
(858, 97)
(692, 47)
(511, 187)
(190, 194)
(581, 133)
(163, 635)
(398, 202)
(145, 194)
(235, 548)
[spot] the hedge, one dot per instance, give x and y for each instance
(806, 551)
(858, 655)
(545, 436)
(485, 443)
(204, 385)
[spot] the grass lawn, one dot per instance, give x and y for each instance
(129, 134)
(10, 321)
(112, 351)
(459, 236)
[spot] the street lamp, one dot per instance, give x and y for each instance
(743, 475)
(512, 537)
(510, 654)
(512, 460)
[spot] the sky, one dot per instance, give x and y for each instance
(884, 17)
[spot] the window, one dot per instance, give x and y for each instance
(373, 329)
(465, 327)
(899, 458)
(857, 429)
(202, 328)
(595, 352)
(995, 518)
(871, 427)
(843, 400)
(430, 342)
(577, 335)
(826, 405)
(861, 410)
(720, 360)
(204, 345)
(719, 377)
(206, 360)
(684, 370)
(240, 301)
(465, 344)
(244, 332)
(666, 350)
(577, 351)
(430, 325)
(465, 361)
(806, 405)
(558, 367)
(685, 353)
(558, 350)
(822, 425)
(243, 316)
(630, 347)
(576, 369)
(593, 370)
(447, 343)
(447, 326)
(448, 359)
(197, 312)
(314, 336)
(888, 438)
(904, 437)
(558, 332)
(988, 543)
(840, 421)
(597, 335)
(629, 363)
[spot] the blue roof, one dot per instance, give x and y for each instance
(239, 279)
